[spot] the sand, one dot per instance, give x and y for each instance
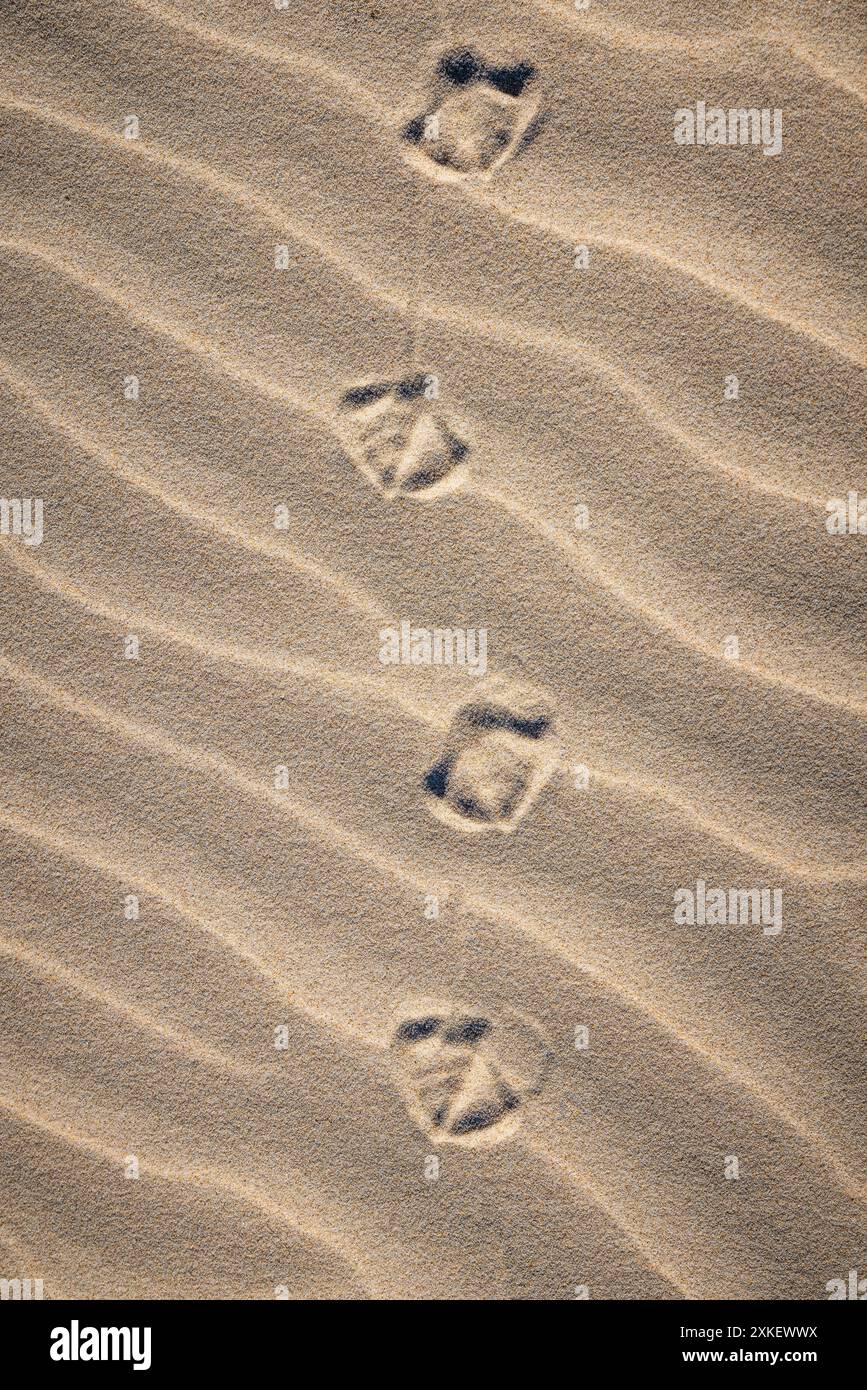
(326, 973)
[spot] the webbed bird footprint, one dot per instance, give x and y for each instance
(499, 754)
(401, 440)
(464, 1080)
(478, 116)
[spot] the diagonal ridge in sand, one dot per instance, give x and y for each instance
(492, 329)
(183, 1042)
(212, 648)
(384, 115)
(568, 1174)
(664, 41)
(280, 1215)
(196, 343)
(73, 851)
(331, 832)
(309, 902)
(92, 858)
(205, 517)
(358, 687)
(657, 617)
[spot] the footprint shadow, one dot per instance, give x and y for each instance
(465, 1080)
(478, 116)
(401, 440)
(499, 754)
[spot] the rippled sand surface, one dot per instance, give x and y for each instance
(322, 977)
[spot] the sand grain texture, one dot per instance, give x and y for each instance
(298, 906)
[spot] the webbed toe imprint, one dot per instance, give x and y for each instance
(478, 115)
(499, 754)
(465, 1081)
(402, 440)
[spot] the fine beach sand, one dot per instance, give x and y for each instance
(273, 1023)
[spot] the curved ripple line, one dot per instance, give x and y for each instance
(195, 343)
(187, 1044)
(422, 710)
(72, 977)
(346, 682)
(84, 854)
(216, 1178)
(182, 1042)
(200, 516)
(667, 41)
(850, 350)
(363, 602)
(493, 329)
(613, 1210)
(651, 615)
(825, 70)
(186, 338)
(639, 788)
(332, 832)
(385, 115)
(201, 760)
(255, 1196)
(242, 195)
(733, 1074)
(271, 53)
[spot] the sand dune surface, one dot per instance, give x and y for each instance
(432, 674)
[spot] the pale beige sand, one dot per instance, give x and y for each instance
(307, 1168)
